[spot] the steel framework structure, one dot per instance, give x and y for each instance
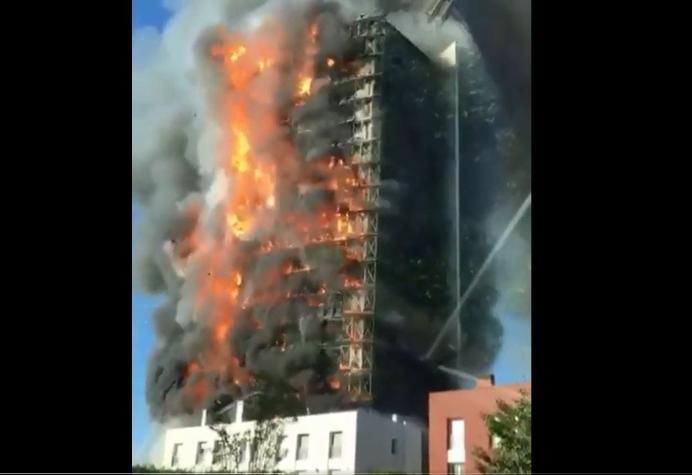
(353, 309)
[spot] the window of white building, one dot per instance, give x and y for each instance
(175, 460)
(455, 469)
(201, 449)
(242, 450)
(281, 449)
(217, 456)
(455, 434)
(302, 449)
(335, 445)
(393, 447)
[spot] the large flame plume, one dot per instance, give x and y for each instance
(253, 273)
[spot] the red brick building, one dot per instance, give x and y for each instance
(456, 426)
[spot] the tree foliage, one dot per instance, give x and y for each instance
(261, 445)
(154, 469)
(510, 431)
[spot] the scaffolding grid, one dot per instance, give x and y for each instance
(353, 309)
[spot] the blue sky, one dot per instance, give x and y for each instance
(144, 13)
(148, 13)
(508, 368)
(142, 342)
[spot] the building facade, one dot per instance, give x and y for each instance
(347, 442)
(377, 269)
(456, 426)
(409, 147)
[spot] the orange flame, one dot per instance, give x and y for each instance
(352, 282)
(237, 53)
(334, 383)
(239, 158)
(251, 198)
(190, 369)
(220, 331)
(263, 64)
(304, 86)
(342, 224)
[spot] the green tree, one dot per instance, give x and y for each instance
(510, 435)
(261, 444)
(154, 469)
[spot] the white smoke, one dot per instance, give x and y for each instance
(173, 139)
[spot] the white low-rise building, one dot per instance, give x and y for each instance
(356, 441)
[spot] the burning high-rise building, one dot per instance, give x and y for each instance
(306, 225)
(370, 243)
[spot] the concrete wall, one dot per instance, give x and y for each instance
(366, 443)
(469, 405)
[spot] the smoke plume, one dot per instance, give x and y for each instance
(497, 85)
